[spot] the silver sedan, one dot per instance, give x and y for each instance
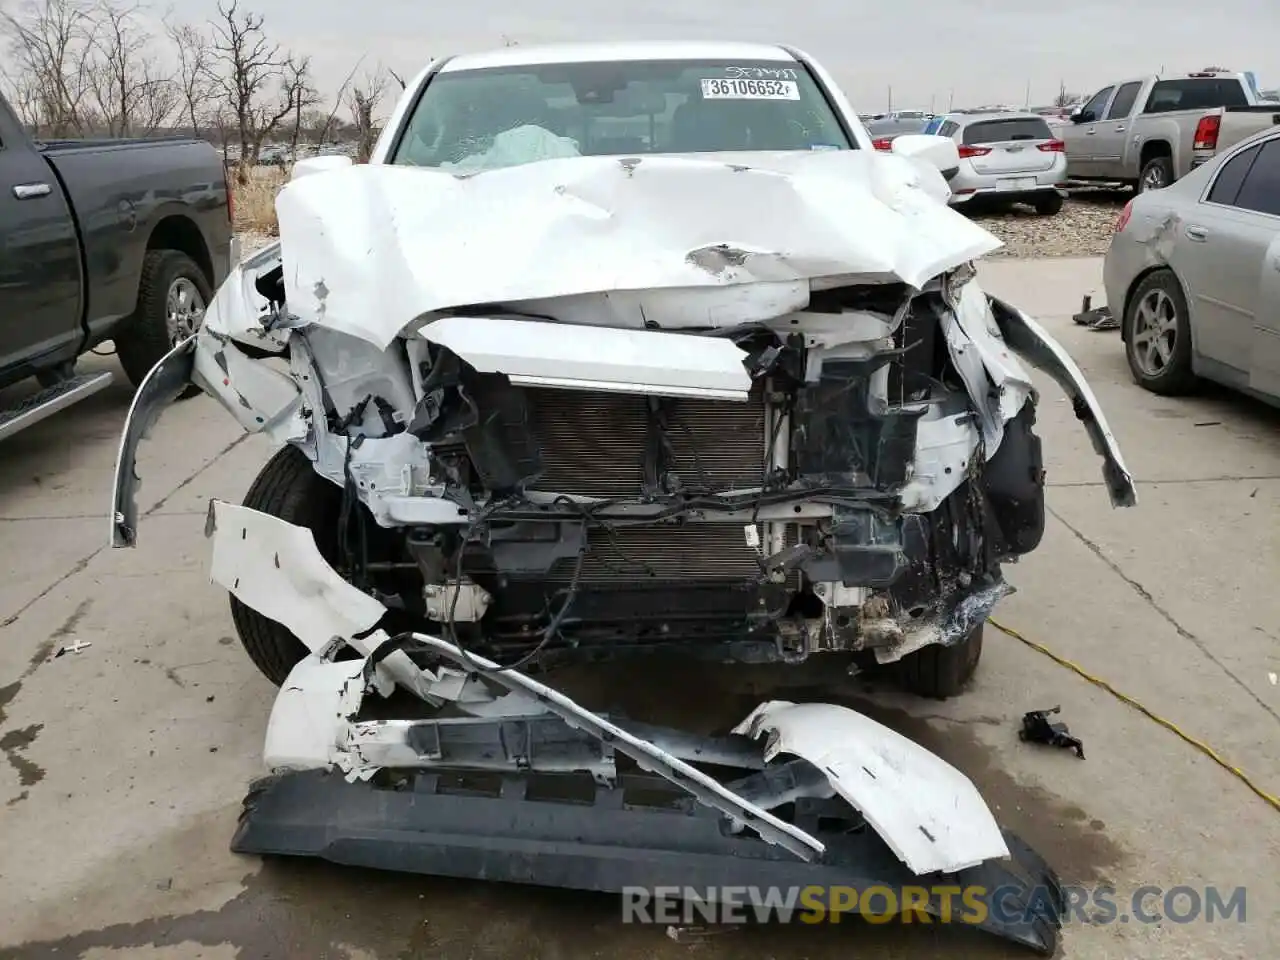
(1193, 272)
(1006, 157)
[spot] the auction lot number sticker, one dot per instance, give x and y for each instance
(739, 89)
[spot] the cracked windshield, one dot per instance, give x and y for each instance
(473, 120)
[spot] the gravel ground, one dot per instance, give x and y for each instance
(1082, 228)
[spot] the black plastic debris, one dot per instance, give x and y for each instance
(1036, 728)
(1095, 318)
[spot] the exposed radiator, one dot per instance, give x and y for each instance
(593, 444)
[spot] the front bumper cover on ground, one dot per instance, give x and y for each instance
(518, 799)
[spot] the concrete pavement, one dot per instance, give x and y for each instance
(122, 766)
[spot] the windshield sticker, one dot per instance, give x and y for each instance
(761, 73)
(739, 89)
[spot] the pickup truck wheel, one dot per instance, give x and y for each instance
(1156, 174)
(172, 297)
(1157, 336)
(938, 671)
(288, 487)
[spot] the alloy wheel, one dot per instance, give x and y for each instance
(1155, 332)
(184, 310)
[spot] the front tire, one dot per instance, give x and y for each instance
(938, 671)
(288, 487)
(1157, 336)
(172, 296)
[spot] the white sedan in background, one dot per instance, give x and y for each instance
(1193, 272)
(1006, 157)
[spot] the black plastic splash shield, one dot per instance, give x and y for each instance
(612, 839)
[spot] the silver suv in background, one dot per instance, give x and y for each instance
(1009, 157)
(1151, 131)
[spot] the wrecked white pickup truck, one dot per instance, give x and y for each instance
(615, 350)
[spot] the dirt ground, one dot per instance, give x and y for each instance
(122, 766)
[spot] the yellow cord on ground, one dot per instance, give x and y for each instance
(1200, 745)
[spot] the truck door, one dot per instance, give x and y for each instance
(1109, 142)
(1080, 133)
(40, 282)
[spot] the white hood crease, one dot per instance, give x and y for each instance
(369, 249)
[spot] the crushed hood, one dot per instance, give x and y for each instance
(369, 249)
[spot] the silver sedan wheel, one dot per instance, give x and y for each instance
(1155, 332)
(184, 310)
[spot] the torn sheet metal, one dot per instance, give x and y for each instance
(539, 353)
(1030, 341)
(354, 241)
(240, 311)
(261, 398)
(997, 383)
(925, 809)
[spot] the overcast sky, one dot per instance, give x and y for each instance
(985, 51)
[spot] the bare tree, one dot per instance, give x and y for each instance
(48, 58)
(297, 92)
(193, 79)
(363, 102)
(329, 125)
(23, 94)
(131, 93)
(224, 124)
(244, 66)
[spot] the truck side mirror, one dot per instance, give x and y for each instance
(1082, 116)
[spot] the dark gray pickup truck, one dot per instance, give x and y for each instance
(120, 240)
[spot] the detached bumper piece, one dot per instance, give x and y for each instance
(532, 787)
(559, 831)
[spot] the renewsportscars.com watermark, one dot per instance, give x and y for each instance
(1099, 905)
